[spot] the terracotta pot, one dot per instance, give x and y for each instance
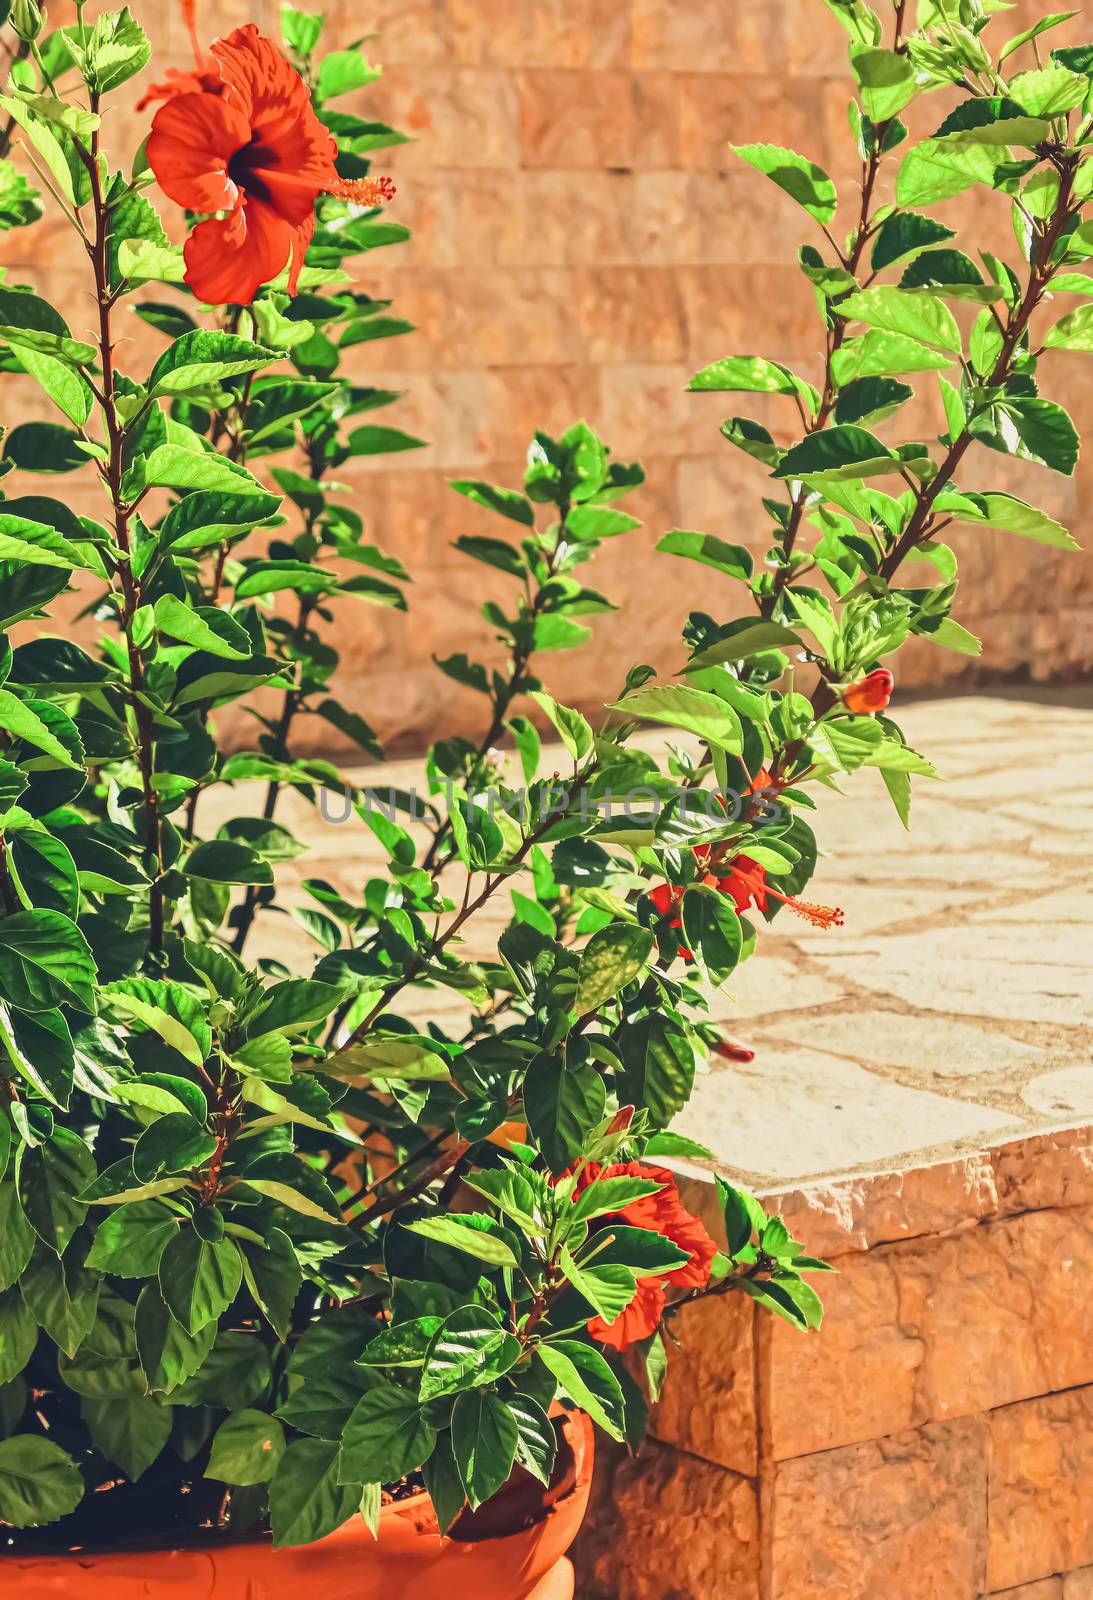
(513, 1549)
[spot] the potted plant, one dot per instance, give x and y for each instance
(284, 1262)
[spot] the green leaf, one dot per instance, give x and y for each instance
(659, 1062)
(343, 71)
(838, 454)
(1046, 432)
(753, 639)
(406, 1060)
(1011, 515)
(44, 447)
(294, 1005)
(306, 1500)
(130, 1241)
(878, 354)
(572, 728)
(199, 1278)
(870, 399)
(1022, 38)
(49, 1177)
(711, 929)
(18, 1334)
(207, 628)
(226, 861)
(693, 710)
(372, 440)
(612, 958)
(904, 234)
(16, 1236)
(588, 1381)
(887, 81)
(461, 1234)
(62, 1298)
(40, 1048)
(201, 359)
(484, 1441)
(171, 1012)
(536, 1443)
(1072, 332)
(937, 170)
(24, 540)
(246, 1449)
(950, 273)
(562, 1105)
(734, 559)
(1048, 91)
(745, 374)
(470, 1347)
(130, 1432)
(117, 50)
(915, 316)
(506, 502)
(801, 179)
(387, 1436)
(173, 466)
(169, 1356)
(203, 519)
(23, 722)
(39, 1482)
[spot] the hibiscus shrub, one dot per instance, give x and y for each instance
(273, 1241)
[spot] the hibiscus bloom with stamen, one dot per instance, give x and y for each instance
(240, 137)
(746, 883)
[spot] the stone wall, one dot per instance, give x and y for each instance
(583, 242)
(934, 1442)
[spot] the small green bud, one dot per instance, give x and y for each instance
(27, 19)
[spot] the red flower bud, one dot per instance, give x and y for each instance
(734, 1050)
(871, 694)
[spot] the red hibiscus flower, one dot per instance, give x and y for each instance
(663, 1213)
(747, 886)
(872, 693)
(243, 139)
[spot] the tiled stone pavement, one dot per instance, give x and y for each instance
(954, 1007)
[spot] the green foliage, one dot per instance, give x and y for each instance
(228, 1244)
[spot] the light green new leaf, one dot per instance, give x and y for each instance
(801, 179)
(916, 316)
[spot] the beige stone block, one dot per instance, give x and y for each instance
(720, 109)
(858, 1213)
(521, 399)
(572, 218)
(1078, 1585)
(658, 120)
(936, 1329)
(575, 34)
(463, 116)
(1041, 1480)
(708, 1407)
(1051, 1170)
(628, 313)
(903, 1516)
(575, 119)
(410, 32)
(667, 1525)
(707, 36)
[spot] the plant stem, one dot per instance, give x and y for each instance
(289, 708)
(503, 699)
(112, 473)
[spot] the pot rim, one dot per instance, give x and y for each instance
(576, 1425)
